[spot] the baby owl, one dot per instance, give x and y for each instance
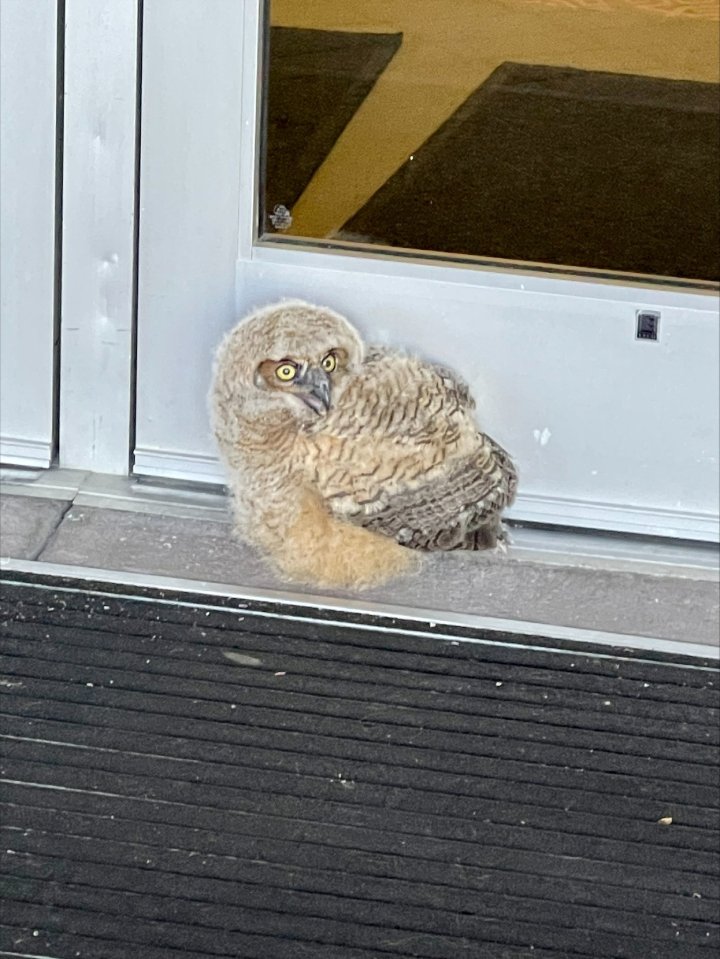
(343, 460)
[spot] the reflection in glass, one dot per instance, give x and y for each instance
(575, 133)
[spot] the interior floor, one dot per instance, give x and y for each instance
(504, 130)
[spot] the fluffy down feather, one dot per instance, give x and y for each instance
(355, 460)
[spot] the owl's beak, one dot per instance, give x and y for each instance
(313, 388)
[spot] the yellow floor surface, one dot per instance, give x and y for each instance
(451, 46)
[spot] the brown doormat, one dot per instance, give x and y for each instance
(563, 166)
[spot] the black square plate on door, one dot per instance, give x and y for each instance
(647, 325)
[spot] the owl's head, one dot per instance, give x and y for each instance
(291, 354)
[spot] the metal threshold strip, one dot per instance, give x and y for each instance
(329, 610)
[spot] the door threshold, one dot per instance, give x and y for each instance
(554, 546)
(289, 605)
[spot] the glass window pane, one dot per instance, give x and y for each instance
(579, 134)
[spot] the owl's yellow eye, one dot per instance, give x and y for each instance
(286, 372)
(329, 363)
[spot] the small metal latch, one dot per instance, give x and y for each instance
(281, 218)
(648, 323)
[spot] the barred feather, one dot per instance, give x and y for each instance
(396, 461)
(401, 454)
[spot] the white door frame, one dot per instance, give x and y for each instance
(70, 163)
(28, 58)
(98, 234)
(609, 432)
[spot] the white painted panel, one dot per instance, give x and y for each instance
(608, 432)
(98, 233)
(28, 48)
(189, 194)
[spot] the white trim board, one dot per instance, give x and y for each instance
(24, 452)
(379, 261)
(28, 119)
(178, 465)
(98, 233)
(588, 514)
(421, 617)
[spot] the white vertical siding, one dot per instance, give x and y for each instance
(99, 185)
(28, 53)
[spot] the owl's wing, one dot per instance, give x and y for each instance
(455, 509)
(401, 453)
(455, 384)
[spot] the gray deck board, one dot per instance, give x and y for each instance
(339, 793)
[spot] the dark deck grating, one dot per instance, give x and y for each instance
(340, 793)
